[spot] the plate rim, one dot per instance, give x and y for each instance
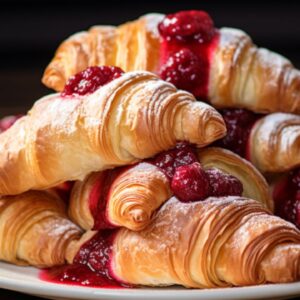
(36, 286)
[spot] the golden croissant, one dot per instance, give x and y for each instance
(35, 230)
(129, 119)
(229, 70)
(213, 243)
(130, 197)
(274, 143)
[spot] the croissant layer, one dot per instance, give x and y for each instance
(274, 143)
(130, 197)
(35, 230)
(131, 118)
(214, 243)
(240, 74)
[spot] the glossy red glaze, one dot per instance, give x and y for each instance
(99, 196)
(188, 180)
(190, 183)
(78, 275)
(286, 195)
(91, 266)
(90, 79)
(188, 41)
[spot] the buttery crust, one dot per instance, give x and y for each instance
(241, 74)
(275, 143)
(131, 46)
(228, 241)
(245, 76)
(136, 193)
(35, 230)
(129, 119)
(214, 243)
(131, 201)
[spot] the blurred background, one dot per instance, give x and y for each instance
(30, 31)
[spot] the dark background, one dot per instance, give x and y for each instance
(30, 31)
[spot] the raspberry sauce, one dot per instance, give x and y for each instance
(91, 266)
(189, 181)
(239, 123)
(286, 195)
(99, 196)
(188, 40)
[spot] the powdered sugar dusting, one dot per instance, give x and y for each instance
(152, 21)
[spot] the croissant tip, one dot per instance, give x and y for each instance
(52, 79)
(216, 128)
(139, 215)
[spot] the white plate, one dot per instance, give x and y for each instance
(24, 279)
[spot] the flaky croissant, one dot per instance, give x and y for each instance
(131, 118)
(214, 243)
(274, 143)
(34, 229)
(130, 197)
(119, 197)
(240, 74)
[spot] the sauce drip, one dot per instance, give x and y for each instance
(188, 40)
(91, 266)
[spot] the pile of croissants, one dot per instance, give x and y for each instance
(82, 164)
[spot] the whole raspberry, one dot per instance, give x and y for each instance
(222, 184)
(189, 25)
(190, 183)
(89, 80)
(183, 69)
(168, 161)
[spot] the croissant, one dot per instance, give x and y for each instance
(213, 243)
(274, 143)
(119, 197)
(130, 197)
(230, 71)
(35, 230)
(131, 118)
